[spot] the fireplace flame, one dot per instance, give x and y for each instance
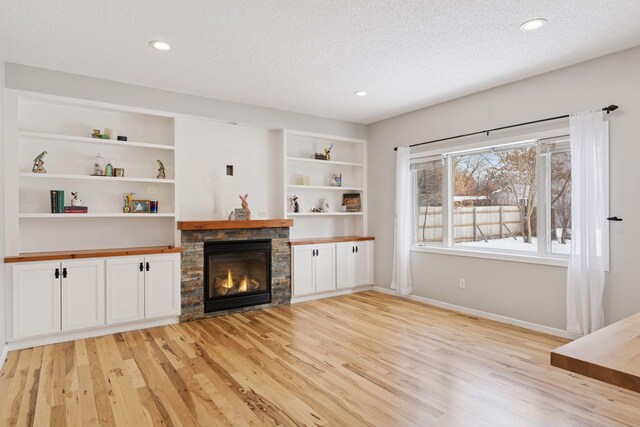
(229, 283)
(243, 285)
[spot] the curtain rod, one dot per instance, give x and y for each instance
(608, 109)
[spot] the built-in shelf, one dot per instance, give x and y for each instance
(326, 187)
(94, 178)
(324, 162)
(89, 140)
(97, 215)
(324, 213)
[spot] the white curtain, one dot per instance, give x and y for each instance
(589, 134)
(401, 279)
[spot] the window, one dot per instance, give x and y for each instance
(429, 215)
(514, 198)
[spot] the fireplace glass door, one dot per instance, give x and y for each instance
(237, 274)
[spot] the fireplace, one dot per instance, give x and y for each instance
(237, 274)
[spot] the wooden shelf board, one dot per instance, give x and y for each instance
(97, 215)
(324, 162)
(324, 213)
(94, 253)
(88, 140)
(326, 187)
(95, 178)
(611, 355)
(228, 225)
(336, 239)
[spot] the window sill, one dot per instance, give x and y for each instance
(530, 259)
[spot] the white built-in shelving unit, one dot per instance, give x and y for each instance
(349, 158)
(62, 127)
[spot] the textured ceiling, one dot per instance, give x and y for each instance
(309, 56)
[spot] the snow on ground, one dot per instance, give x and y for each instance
(508, 243)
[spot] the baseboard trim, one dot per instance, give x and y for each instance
(330, 294)
(89, 333)
(3, 355)
(485, 315)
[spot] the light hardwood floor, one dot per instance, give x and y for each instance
(363, 359)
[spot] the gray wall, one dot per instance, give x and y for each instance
(75, 86)
(532, 293)
(2, 207)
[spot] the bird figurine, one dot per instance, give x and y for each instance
(161, 173)
(38, 163)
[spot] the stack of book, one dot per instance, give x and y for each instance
(57, 201)
(76, 209)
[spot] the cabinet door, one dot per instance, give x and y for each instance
(325, 261)
(82, 294)
(303, 270)
(345, 274)
(162, 286)
(364, 263)
(125, 289)
(35, 299)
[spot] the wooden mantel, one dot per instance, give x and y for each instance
(228, 225)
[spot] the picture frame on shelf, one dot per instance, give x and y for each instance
(140, 206)
(351, 201)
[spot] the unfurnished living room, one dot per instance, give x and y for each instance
(319, 213)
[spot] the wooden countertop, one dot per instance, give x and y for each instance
(228, 225)
(321, 240)
(95, 253)
(611, 354)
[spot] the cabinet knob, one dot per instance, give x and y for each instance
(356, 249)
(141, 267)
(56, 273)
(64, 273)
(148, 267)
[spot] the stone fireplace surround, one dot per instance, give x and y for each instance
(194, 236)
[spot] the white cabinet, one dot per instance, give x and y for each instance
(36, 299)
(142, 287)
(125, 289)
(162, 286)
(303, 270)
(314, 269)
(82, 294)
(364, 263)
(50, 297)
(330, 266)
(354, 264)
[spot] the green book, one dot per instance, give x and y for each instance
(60, 201)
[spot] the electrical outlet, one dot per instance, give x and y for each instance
(463, 284)
(262, 214)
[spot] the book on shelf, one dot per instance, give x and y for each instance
(76, 209)
(57, 201)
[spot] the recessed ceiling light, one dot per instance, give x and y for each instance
(361, 93)
(160, 45)
(533, 24)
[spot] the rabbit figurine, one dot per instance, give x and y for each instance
(245, 205)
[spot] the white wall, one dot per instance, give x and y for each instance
(532, 293)
(75, 86)
(206, 192)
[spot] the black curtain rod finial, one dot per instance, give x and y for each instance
(610, 108)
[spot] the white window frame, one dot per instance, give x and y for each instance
(543, 254)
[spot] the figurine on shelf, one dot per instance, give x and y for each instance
(245, 206)
(128, 198)
(326, 155)
(161, 173)
(96, 133)
(38, 163)
(327, 152)
(75, 199)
